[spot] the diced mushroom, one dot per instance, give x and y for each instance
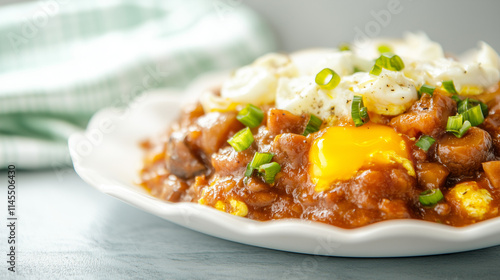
(492, 170)
(180, 160)
(211, 131)
(281, 121)
(261, 199)
(227, 160)
(432, 175)
(394, 209)
(370, 187)
(172, 189)
(463, 156)
(427, 116)
(190, 113)
(256, 185)
(492, 125)
(291, 150)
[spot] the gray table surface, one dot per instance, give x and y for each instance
(67, 229)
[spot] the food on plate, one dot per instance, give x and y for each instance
(379, 130)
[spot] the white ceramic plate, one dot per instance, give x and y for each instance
(108, 157)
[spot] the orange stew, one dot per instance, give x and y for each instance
(193, 162)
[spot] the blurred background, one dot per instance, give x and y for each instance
(457, 25)
(62, 60)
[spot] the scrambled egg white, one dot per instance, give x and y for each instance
(289, 80)
(257, 83)
(425, 62)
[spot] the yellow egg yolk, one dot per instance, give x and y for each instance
(341, 151)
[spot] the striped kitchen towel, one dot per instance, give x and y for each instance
(62, 60)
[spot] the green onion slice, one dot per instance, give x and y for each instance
(425, 142)
(250, 116)
(474, 115)
(430, 197)
(327, 79)
(454, 123)
(457, 125)
(484, 108)
(449, 86)
(426, 89)
(313, 125)
(249, 170)
(468, 103)
(376, 70)
(388, 61)
(258, 160)
(384, 49)
(456, 98)
(463, 105)
(241, 140)
(359, 112)
(363, 113)
(269, 170)
(464, 129)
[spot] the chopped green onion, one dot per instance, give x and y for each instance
(258, 160)
(426, 89)
(456, 98)
(464, 129)
(327, 79)
(425, 142)
(250, 116)
(430, 197)
(463, 105)
(449, 86)
(484, 108)
(473, 111)
(261, 158)
(384, 49)
(344, 47)
(392, 62)
(269, 170)
(359, 112)
(357, 69)
(241, 140)
(474, 115)
(363, 113)
(249, 170)
(454, 123)
(457, 125)
(388, 61)
(468, 103)
(376, 70)
(313, 125)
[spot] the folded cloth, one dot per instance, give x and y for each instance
(60, 61)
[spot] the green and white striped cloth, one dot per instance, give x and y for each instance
(62, 60)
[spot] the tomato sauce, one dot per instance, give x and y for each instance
(192, 162)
